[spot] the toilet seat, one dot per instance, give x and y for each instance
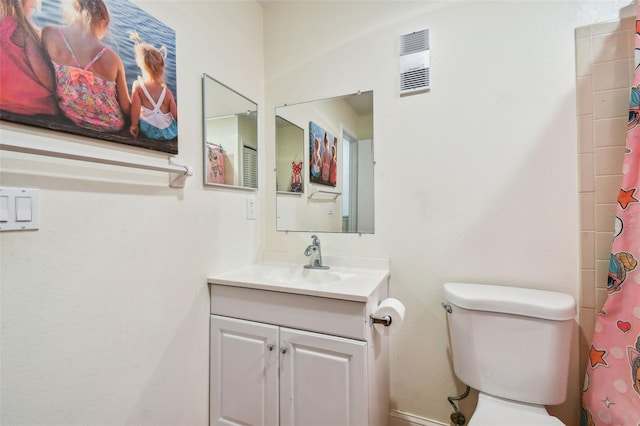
(494, 411)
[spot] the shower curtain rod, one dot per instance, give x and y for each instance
(178, 173)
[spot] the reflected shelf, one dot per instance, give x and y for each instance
(322, 193)
(289, 193)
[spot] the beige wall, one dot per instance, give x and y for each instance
(105, 308)
(475, 180)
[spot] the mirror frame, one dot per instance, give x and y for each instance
(234, 106)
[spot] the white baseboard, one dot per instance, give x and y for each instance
(400, 418)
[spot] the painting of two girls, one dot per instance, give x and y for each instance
(97, 68)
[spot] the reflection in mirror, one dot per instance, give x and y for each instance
(336, 148)
(289, 155)
(230, 127)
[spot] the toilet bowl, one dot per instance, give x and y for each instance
(513, 346)
(494, 411)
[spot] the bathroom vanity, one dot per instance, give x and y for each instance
(295, 346)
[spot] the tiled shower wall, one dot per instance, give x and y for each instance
(604, 66)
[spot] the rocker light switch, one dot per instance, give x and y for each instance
(23, 209)
(4, 208)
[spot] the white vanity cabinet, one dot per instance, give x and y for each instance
(260, 371)
(281, 358)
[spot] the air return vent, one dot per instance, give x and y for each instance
(414, 62)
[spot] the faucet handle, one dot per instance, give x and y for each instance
(315, 240)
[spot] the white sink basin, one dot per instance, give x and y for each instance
(348, 278)
(300, 275)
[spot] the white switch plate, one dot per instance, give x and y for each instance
(19, 209)
(251, 209)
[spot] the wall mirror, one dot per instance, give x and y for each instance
(324, 165)
(230, 129)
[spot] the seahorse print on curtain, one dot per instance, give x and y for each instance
(611, 394)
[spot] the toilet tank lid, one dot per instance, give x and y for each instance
(511, 300)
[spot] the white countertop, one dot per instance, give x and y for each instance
(349, 278)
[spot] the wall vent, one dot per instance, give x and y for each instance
(414, 62)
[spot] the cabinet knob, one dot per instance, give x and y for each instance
(283, 350)
(270, 347)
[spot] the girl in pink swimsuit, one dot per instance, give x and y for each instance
(91, 86)
(26, 76)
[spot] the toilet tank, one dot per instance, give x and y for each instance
(511, 342)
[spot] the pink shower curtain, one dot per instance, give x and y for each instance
(612, 383)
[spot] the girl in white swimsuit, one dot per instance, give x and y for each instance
(153, 107)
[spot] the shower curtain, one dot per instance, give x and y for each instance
(612, 383)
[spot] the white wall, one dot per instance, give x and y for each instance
(474, 181)
(105, 308)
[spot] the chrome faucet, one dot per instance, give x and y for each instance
(315, 254)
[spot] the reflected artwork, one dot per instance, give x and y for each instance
(323, 156)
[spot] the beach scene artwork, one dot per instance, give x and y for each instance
(52, 22)
(323, 148)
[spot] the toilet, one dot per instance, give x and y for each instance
(513, 346)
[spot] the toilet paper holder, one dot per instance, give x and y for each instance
(386, 320)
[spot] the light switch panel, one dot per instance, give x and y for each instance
(19, 209)
(251, 208)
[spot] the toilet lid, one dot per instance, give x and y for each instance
(492, 411)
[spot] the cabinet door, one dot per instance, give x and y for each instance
(323, 380)
(244, 373)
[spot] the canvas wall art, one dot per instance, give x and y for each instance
(104, 69)
(323, 158)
